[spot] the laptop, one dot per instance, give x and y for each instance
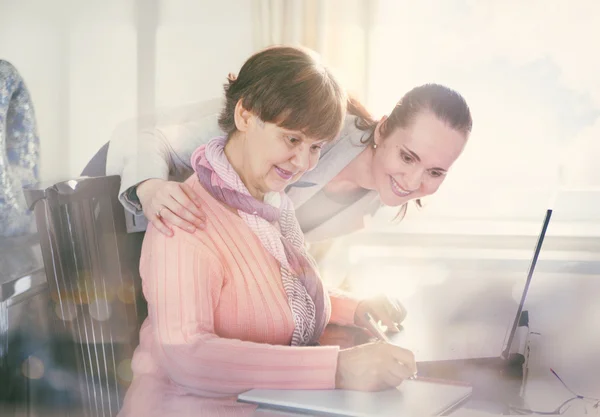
(411, 398)
(468, 335)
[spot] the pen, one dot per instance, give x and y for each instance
(374, 328)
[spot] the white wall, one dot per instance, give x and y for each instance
(79, 60)
(31, 40)
(198, 44)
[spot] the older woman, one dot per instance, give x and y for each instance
(240, 305)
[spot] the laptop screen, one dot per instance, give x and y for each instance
(536, 253)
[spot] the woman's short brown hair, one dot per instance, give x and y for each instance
(287, 86)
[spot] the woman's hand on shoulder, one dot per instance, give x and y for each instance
(169, 203)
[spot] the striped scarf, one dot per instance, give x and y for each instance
(310, 305)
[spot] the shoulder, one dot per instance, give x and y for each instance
(212, 208)
(182, 257)
(212, 205)
(181, 246)
(350, 129)
(223, 225)
(202, 243)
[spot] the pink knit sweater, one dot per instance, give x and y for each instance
(219, 323)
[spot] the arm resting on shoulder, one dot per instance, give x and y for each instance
(159, 146)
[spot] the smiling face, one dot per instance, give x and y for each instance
(280, 109)
(412, 162)
(268, 157)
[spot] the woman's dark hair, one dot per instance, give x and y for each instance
(446, 104)
(287, 86)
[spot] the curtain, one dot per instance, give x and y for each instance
(339, 30)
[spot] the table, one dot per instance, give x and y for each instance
(564, 309)
(566, 314)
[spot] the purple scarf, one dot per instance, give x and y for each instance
(310, 305)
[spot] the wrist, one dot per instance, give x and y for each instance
(132, 198)
(141, 189)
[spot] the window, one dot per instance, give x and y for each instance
(531, 81)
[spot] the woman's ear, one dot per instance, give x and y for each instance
(242, 117)
(377, 133)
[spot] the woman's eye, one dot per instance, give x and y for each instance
(316, 148)
(407, 158)
(436, 174)
(293, 139)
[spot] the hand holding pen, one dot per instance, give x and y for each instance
(374, 367)
(374, 328)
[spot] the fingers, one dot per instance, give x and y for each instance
(388, 380)
(172, 204)
(169, 218)
(179, 216)
(374, 366)
(404, 357)
(392, 371)
(396, 373)
(385, 311)
(158, 223)
(394, 309)
(392, 313)
(390, 323)
(188, 198)
(400, 370)
(400, 310)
